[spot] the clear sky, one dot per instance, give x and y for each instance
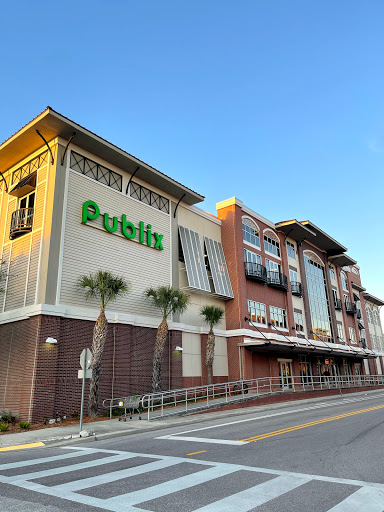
(277, 102)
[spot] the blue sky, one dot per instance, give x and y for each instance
(278, 103)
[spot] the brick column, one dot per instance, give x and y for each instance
(303, 277)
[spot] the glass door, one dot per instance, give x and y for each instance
(286, 374)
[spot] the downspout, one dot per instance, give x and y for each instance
(113, 367)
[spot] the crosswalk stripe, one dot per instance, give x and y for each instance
(118, 503)
(78, 485)
(365, 499)
(255, 496)
(44, 460)
(64, 469)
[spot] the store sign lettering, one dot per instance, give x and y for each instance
(91, 211)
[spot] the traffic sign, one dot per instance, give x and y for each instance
(80, 374)
(85, 359)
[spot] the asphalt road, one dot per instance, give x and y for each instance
(325, 456)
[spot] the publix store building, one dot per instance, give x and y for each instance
(72, 203)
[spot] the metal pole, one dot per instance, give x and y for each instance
(82, 390)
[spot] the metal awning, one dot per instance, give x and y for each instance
(219, 270)
(373, 299)
(194, 259)
(51, 124)
(358, 287)
(295, 230)
(322, 240)
(342, 260)
(25, 185)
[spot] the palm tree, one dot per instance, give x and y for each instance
(212, 316)
(105, 287)
(168, 300)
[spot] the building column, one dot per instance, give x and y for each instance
(303, 277)
(330, 299)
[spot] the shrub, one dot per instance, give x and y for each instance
(24, 424)
(4, 427)
(8, 417)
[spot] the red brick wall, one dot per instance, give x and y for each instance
(55, 386)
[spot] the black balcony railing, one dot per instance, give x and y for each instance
(350, 307)
(277, 280)
(338, 304)
(296, 289)
(256, 272)
(363, 342)
(358, 313)
(21, 222)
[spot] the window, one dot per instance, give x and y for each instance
(27, 201)
(334, 294)
(251, 257)
(340, 332)
(291, 250)
(278, 317)
(344, 281)
(352, 334)
(347, 300)
(369, 317)
(272, 266)
(318, 299)
(257, 312)
(299, 324)
(293, 276)
(251, 232)
(271, 246)
(332, 272)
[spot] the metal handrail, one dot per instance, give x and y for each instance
(21, 222)
(350, 307)
(296, 288)
(188, 400)
(255, 271)
(275, 278)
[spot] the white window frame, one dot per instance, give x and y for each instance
(255, 233)
(332, 273)
(250, 256)
(299, 320)
(272, 243)
(281, 317)
(291, 249)
(293, 275)
(257, 306)
(352, 335)
(344, 281)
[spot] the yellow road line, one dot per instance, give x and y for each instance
(195, 453)
(310, 424)
(21, 446)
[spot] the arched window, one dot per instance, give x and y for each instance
(271, 242)
(251, 232)
(344, 281)
(314, 257)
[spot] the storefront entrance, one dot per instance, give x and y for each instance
(285, 372)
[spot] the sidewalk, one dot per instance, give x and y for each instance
(112, 428)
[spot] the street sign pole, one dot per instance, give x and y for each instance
(85, 361)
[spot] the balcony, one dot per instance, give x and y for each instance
(358, 313)
(277, 280)
(21, 222)
(350, 308)
(338, 304)
(363, 342)
(256, 272)
(296, 289)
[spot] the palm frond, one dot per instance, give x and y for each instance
(167, 299)
(103, 285)
(212, 315)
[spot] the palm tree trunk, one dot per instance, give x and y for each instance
(99, 337)
(161, 338)
(209, 355)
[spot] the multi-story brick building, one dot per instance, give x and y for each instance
(299, 306)
(72, 203)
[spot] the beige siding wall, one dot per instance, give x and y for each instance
(191, 355)
(220, 362)
(20, 257)
(89, 247)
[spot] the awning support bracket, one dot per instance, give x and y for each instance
(6, 184)
(46, 143)
(326, 346)
(130, 179)
(281, 333)
(66, 147)
(178, 202)
(286, 236)
(247, 319)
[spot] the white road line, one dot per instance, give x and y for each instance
(365, 499)
(44, 460)
(64, 469)
(255, 496)
(319, 406)
(202, 440)
(78, 485)
(118, 503)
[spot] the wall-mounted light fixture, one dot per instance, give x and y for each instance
(51, 341)
(179, 349)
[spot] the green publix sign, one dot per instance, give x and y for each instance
(91, 211)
